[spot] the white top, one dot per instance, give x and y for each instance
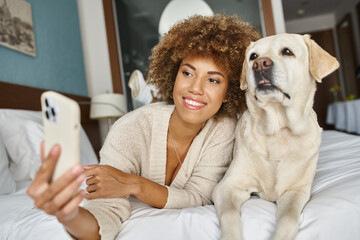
(137, 144)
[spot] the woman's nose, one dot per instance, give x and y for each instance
(196, 86)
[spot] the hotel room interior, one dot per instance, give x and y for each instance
(89, 49)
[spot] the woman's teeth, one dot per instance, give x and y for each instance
(193, 103)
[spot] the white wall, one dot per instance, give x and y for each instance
(96, 52)
(95, 47)
(278, 14)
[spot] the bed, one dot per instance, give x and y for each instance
(333, 212)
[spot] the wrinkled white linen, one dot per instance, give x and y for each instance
(333, 212)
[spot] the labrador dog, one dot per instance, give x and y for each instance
(278, 138)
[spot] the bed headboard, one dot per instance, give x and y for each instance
(16, 96)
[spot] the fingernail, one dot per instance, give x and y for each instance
(55, 150)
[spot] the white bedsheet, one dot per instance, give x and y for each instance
(333, 212)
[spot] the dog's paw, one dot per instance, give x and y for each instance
(231, 234)
(288, 234)
(230, 224)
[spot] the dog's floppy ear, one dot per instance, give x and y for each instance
(321, 63)
(243, 83)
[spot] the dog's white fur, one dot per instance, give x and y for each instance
(278, 137)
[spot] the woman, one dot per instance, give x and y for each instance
(169, 154)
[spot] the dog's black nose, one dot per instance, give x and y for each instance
(261, 64)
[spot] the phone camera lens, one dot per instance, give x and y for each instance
(53, 112)
(46, 102)
(47, 114)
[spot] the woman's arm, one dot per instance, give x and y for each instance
(151, 193)
(83, 225)
(108, 182)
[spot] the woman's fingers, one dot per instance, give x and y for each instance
(90, 181)
(48, 165)
(42, 150)
(104, 170)
(43, 176)
(60, 197)
(92, 195)
(69, 211)
(87, 167)
(92, 170)
(91, 188)
(58, 186)
(64, 196)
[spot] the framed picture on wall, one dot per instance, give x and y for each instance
(16, 26)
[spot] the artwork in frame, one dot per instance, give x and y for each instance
(16, 26)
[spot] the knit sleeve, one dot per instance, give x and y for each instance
(214, 159)
(120, 150)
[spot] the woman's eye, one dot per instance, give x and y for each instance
(287, 52)
(186, 73)
(212, 80)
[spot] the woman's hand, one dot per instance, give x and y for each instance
(60, 198)
(108, 182)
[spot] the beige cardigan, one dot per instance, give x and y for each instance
(137, 144)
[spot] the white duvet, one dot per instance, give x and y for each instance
(333, 212)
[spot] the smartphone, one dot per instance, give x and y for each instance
(61, 120)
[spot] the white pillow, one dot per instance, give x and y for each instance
(22, 132)
(7, 184)
(22, 156)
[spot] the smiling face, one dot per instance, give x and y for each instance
(200, 89)
(277, 68)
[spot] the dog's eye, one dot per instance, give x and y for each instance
(253, 56)
(287, 52)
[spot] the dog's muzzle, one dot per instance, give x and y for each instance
(262, 68)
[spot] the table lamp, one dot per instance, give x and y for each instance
(108, 106)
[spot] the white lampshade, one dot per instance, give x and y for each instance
(109, 105)
(177, 10)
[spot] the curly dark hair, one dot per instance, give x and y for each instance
(224, 38)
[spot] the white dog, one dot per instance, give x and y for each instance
(278, 137)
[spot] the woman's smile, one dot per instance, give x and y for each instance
(193, 104)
